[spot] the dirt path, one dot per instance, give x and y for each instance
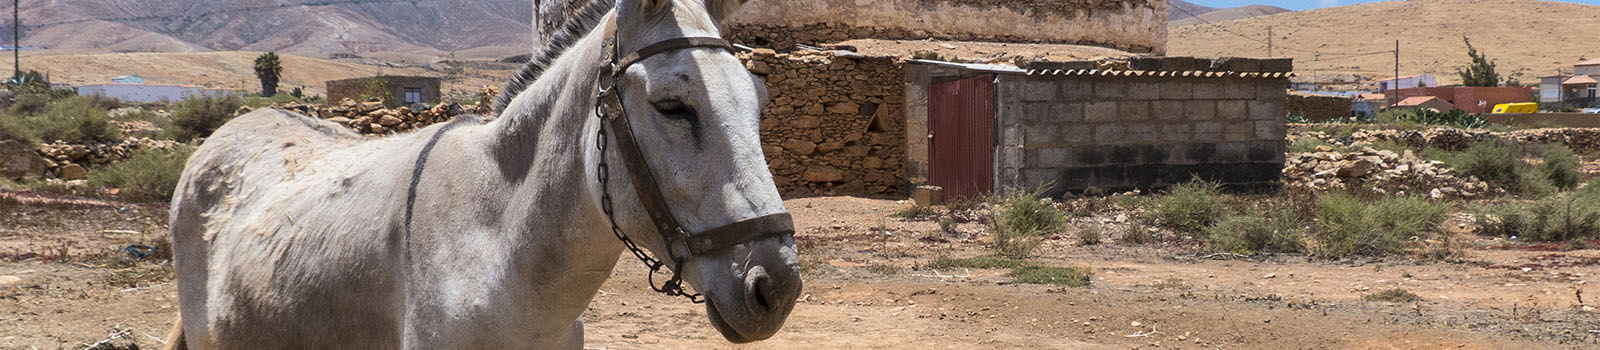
(867, 288)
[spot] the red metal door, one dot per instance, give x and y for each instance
(961, 118)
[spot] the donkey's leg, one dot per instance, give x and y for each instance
(573, 339)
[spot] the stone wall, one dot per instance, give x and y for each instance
(1074, 133)
(832, 124)
(357, 89)
(1129, 25)
(1318, 108)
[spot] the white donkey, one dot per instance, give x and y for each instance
(295, 233)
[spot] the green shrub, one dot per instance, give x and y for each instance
(1533, 184)
(73, 119)
(1560, 166)
(29, 104)
(978, 262)
(1064, 276)
(1492, 161)
(1454, 118)
(1192, 206)
(1405, 217)
(1089, 236)
(1563, 217)
(1022, 221)
(1350, 227)
(11, 130)
(1281, 233)
(1136, 234)
(199, 116)
(148, 175)
(1396, 295)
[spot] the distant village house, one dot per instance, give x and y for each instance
(1577, 90)
(1407, 82)
(132, 88)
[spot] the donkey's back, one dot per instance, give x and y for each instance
(281, 218)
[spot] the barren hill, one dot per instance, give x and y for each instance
(317, 28)
(234, 70)
(1527, 39)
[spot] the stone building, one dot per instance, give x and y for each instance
(1076, 126)
(394, 90)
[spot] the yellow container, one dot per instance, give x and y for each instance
(1525, 107)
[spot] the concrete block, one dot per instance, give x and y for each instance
(1266, 130)
(1143, 133)
(1109, 134)
(1175, 133)
(1052, 157)
(1038, 135)
(1232, 110)
(1207, 132)
(1272, 89)
(1266, 152)
(1135, 110)
(1277, 65)
(1197, 153)
(1035, 90)
(1088, 156)
(1143, 89)
(1074, 89)
(1231, 152)
(1038, 177)
(1267, 109)
(1122, 154)
(1029, 113)
(1200, 110)
(926, 195)
(1238, 132)
(1183, 63)
(1236, 64)
(1208, 89)
(1110, 89)
(1176, 89)
(1100, 112)
(1167, 110)
(1239, 89)
(1076, 134)
(1066, 112)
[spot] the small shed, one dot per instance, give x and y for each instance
(1066, 127)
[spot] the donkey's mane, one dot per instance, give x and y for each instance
(572, 29)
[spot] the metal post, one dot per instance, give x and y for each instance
(1269, 41)
(16, 40)
(1395, 84)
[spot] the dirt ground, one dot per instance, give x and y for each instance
(64, 285)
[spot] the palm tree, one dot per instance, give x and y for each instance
(268, 69)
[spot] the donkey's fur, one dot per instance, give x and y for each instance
(289, 232)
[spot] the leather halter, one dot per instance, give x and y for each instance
(609, 108)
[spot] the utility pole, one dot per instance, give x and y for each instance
(1395, 83)
(1269, 41)
(16, 40)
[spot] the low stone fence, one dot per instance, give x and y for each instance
(1578, 139)
(1318, 108)
(833, 123)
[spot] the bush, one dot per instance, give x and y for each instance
(1454, 118)
(1023, 221)
(1492, 161)
(11, 130)
(148, 175)
(1350, 227)
(1559, 218)
(1136, 234)
(1192, 206)
(978, 262)
(199, 116)
(1306, 144)
(1560, 166)
(73, 119)
(29, 104)
(1089, 236)
(1281, 233)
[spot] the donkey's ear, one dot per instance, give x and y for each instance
(721, 9)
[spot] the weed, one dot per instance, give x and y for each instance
(1306, 144)
(1559, 218)
(1281, 233)
(915, 211)
(73, 119)
(1396, 295)
(1560, 166)
(978, 262)
(1022, 223)
(1492, 161)
(199, 116)
(1192, 206)
(147, 175)
(1136, 234)
(1089, 235)
(947, 225)
(1064, 276)
(883, 269)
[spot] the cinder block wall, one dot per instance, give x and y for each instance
(355, 88)
(1073, 133)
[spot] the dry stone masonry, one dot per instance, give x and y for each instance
(1578, 139)
(1382, 171)
(834, 122)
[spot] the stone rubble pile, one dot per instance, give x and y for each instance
(1578, 139)
(68, 161)
(374, 118)
(1382, 171)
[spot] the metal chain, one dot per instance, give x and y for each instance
(674, 285)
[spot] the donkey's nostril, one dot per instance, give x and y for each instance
(758, 290)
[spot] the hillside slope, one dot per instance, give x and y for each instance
(1527, 39)
(312, 28)
(1227, 14)
(233, 70)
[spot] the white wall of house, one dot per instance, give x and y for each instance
(1408, 82)
(1593, 69)
(1550, 88)
(142, 93)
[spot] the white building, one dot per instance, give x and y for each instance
(1407, 82)
(1577, 89)
(146, 93)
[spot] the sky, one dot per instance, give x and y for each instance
(1311, 4)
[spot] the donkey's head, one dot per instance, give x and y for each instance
(695, 112)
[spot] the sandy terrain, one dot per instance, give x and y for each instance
(867, 288)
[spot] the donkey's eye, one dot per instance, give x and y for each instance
(676, 110)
